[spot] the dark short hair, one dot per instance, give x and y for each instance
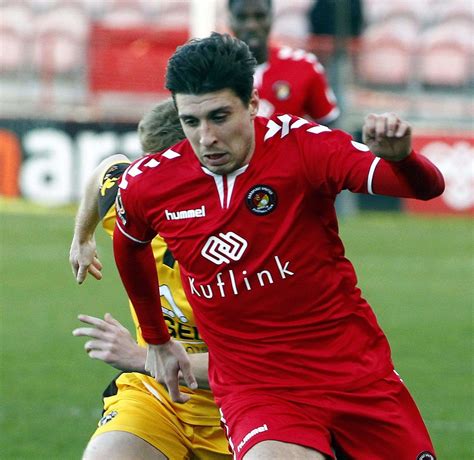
(212, 64)
(231, 4)
(160, 128)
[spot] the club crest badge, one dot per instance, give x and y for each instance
(261, 200)
(107, 418)
(282, 90)
(426, 456)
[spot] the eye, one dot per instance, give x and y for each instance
(191, 122)
(220, 118)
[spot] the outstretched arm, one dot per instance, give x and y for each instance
(82, 254)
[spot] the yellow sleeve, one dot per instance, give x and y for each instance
(108, 193)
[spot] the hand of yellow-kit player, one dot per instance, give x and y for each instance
(83, 259)
(387, 136)
(164, 362)
(112, 343)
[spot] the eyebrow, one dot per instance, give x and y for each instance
(224, 108)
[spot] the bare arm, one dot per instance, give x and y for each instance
(83, 255)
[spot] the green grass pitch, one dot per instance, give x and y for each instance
(417, 273)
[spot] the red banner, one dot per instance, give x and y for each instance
(131, 60)
(453, 154)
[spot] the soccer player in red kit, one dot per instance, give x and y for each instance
(288, 80)
(298, 365)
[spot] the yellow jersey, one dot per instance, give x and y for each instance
(201, 409)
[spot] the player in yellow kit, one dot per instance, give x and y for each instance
(140, 421)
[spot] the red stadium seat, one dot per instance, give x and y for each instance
(387, 51)
(60, 38)
(15, 35)
(446, 54)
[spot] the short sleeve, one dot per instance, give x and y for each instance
(321, 103)
(130, 203)
(333, 161)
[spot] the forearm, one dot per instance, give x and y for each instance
(413, 177)
(137, 268)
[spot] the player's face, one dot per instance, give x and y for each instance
(219, 127)
(251, 20)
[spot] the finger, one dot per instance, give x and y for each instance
(368, 130)
(403, 129)
(97, 263)
(380, 127)
(97, 354)
(173, 389)
(88, 332)
(74, 267)
(81, 273)
(93, 321)
(111, 320)
(95, 272)
(392, 124)
(188, 375)
(92, 345)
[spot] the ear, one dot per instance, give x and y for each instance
(254, 103)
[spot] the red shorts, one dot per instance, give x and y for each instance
(376, 422)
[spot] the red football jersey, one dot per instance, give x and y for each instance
(262, 264)
(293, 81)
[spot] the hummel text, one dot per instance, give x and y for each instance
(187, 214)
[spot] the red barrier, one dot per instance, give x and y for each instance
(131, 59)
(453, 154)
(10, 160)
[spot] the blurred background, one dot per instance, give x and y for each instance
(75, 78)
(77, 75)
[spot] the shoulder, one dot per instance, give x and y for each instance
(109, 185)
(155, 168)
(286, 128)
(298, 57)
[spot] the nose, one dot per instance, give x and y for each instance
(251, 24)
(206, 135)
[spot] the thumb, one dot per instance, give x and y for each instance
(81, 274)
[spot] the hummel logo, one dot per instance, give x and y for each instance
(187, 214)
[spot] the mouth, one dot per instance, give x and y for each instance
(216, 159)
(253, 42)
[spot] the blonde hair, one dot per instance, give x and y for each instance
(160, 128)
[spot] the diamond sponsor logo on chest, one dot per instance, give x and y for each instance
(225, 248)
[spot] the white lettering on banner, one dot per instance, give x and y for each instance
(45, 176)
(228, 282)
(93, 147)
(57, 165)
